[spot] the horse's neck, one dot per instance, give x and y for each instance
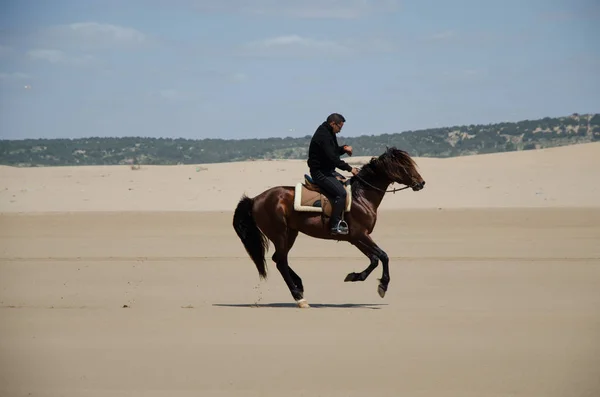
(375, 197)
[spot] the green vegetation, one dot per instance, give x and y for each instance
(435, 142)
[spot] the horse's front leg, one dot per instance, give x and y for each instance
(367, 246)
(384, 281)
(362, 276)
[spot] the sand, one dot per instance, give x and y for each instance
(565, 176)
(120, 282)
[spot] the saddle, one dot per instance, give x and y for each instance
(310, 184)
(309, 198)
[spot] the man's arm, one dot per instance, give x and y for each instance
(346, 149)
(331, 152)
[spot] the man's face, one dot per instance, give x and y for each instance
(337, 127)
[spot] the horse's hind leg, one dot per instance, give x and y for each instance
(292, 234)
(297, 280)
(283, 243)
(289, 276)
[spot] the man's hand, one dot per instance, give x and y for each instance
(348, 149)
(354, 171)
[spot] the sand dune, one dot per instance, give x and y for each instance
(564, 176)
(111, 286)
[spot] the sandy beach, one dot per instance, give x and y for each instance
(121, 282)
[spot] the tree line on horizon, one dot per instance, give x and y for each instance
(432, 142)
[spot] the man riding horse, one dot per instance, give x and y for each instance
(323, 158)
(270, 216)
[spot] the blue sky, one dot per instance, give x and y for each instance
(275, 68)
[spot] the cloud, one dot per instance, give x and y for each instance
(75, 43)
(14, 76)
(91, 36)
(98, 31)
(57, 56)
(238, 78)
(295, 41)
(296, 46)
(52, 56)
(330, 9)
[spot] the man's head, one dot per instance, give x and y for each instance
(336, 121)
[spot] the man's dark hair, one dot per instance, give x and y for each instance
(336, 118)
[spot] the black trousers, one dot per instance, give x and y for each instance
(334, 190)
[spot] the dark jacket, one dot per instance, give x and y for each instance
(324, 151)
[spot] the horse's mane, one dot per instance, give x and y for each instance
(391, 164)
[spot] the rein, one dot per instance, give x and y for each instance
(381, 190)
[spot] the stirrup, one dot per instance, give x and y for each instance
(340, 228)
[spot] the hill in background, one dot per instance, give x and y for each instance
(433, 142)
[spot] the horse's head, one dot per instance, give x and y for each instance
(399, 167)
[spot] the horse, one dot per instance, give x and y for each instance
(271, 215)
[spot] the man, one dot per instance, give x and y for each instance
(323, 158)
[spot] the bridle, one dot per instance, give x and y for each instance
(382, 190)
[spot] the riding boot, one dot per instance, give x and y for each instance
(337, 225)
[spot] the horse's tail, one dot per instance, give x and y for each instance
(254, 240)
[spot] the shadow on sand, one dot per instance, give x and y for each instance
(373, 306)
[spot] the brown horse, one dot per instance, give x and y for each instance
(271, 216)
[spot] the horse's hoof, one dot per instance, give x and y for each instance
(302, 304)
(350, 277)
(381, 290)
(354, 277)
